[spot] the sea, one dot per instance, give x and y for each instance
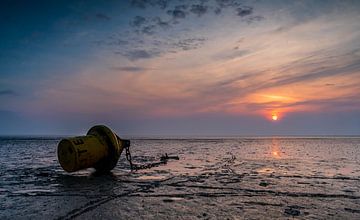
(214, 178)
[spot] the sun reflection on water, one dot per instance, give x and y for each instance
(275, 148)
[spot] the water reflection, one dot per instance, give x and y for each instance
(275, 148)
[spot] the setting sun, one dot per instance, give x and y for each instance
(274, 117)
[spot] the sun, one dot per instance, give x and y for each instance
(274, 117)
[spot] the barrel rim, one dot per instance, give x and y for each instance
(115, 149)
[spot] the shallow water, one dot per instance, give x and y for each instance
(234, 178)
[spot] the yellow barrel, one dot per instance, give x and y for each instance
(100, 149)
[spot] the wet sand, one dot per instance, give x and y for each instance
(214, 179)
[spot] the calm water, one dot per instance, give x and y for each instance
(215, 178)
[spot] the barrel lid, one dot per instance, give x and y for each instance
(109, 138)
(66, 155)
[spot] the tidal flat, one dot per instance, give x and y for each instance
(215, 178)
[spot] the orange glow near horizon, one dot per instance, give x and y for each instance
(274, 117)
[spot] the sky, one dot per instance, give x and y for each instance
(180, 68)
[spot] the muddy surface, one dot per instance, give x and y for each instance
(244, 178)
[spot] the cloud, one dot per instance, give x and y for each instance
(199, 9)
(117, 42)
(148, 26)
(190, 43)
(139, 3)
(90, 17)
(161, 23)
(227, 3)
(240, 10)
(134, 55)
(316, 74)
(102, 16)
(129, 69)
(227, 82)
(236, 53)
(181, 7)
(181, 11)
(138, 21)
(284, 80)
(244, 11)
(149, 30)
(162, 4)
(217, 11)
(329, 84)
(305, 74)
(345, 103)
(177, 13)
(8, 92)
(340, 102)
(253, 19)
(150, 35)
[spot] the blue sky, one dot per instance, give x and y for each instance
(169, 67)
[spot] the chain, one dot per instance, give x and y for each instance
(128, 156)
(163, 160)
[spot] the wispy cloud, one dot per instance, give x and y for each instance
(102, 16)
(177, 13)
(190, 43)
(199, 10)
(232, 54)
(172, 15)
(227, 3)
(153, 3)
(8, 92)
(244, 11)
(141, 54)
(129, 68)
(138, 21)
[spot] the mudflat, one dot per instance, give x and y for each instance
(217, 178)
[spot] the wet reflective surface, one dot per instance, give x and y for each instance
(256, 178)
